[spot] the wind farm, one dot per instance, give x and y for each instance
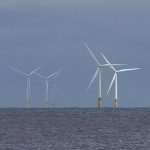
(98, 73)
(100, 100)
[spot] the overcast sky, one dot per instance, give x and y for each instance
(50, 33)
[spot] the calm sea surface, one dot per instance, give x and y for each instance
(74, 129)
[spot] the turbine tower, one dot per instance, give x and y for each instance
(47, 85)
(28, 83)
(115, 79)
(98, 73)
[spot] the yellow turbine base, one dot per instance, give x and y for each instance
(99, 103)
(116, 104)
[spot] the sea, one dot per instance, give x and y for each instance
(75, 129)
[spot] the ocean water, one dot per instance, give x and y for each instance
(74, 129)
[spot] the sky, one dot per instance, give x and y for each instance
(50, 34)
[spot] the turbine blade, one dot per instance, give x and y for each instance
(54, 73)
(34, 71)
(105, 58)
(124, 70)
(108, 65)
(113, 79)
(56, 87)
(95, 59)
(54, 83)
(108, 62)
(96, 73)
(55, 76)
(20, 72)
(41, 76)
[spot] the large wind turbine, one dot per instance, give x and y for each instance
(98, 72)
(28, 83)
(115, 79)
(47, 86)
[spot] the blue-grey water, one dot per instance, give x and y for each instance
(74, 129)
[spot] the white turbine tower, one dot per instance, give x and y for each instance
(115, 79)
(47, 85)
(98, 72)
(28, 83)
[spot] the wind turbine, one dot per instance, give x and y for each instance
(115, 79)
(98, 72)
(28, 83)
(47, 85)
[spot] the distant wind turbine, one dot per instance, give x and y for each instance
(115, 79)
(47, 85)
(98, 72)
(28, 82)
